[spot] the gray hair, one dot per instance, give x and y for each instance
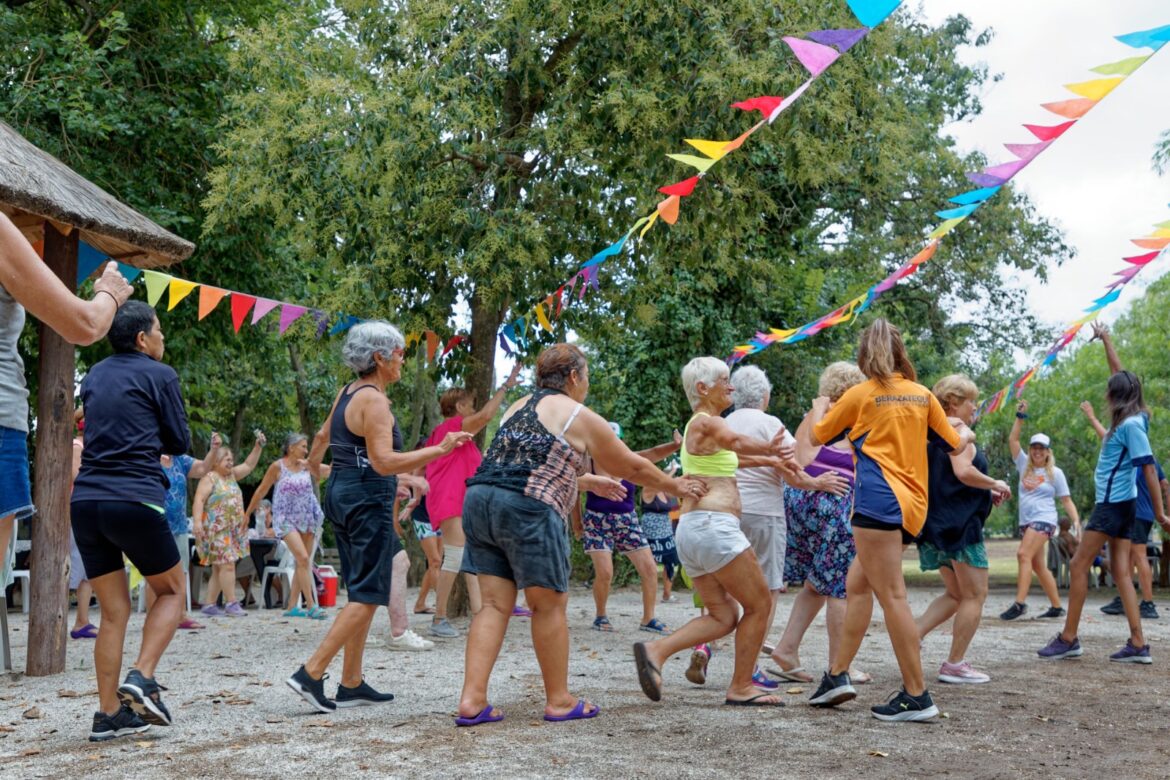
(750, 388)
(292, 440)
(707, 370)
(367, 339)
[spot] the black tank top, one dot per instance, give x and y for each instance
(955, 512)
(349, 449)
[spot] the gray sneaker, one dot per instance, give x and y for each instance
(443, 629)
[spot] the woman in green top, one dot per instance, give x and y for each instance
(716, 554)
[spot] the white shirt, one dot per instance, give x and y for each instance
(761, 489)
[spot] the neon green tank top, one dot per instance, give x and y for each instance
(721, 464)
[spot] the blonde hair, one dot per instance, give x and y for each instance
(953, 389)
(839, 377)
(1049, 462)
(881, 353)
(707, 370)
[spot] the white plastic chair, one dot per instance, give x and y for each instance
(286, 566)
(23, 574)
(184, 542)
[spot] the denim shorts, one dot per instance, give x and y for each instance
(708, 541)
(360, 505)
(515, 537)
(15, 491)
(931, 558)
(1113, 518)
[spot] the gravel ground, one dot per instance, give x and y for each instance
(235, 717)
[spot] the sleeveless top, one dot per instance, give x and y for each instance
(832, 459)
(596, 503)
(955, 512)
(294, 497)
(349, 449)
(13, 394)
(527, 458)
(721, 464)
(659, 507)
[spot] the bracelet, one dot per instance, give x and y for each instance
(112, 298)
(1021, 416)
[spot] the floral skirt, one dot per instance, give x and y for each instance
(820, 541)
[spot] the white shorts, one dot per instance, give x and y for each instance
(708, 541)
(768, 535)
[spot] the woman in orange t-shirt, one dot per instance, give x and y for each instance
(887, 420)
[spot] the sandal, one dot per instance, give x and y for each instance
(649, 675)
(88, 631)
(697, 671)
(756, 701)
(602, 623)
(425, 611)
(316, 613)
(522, 612)
(762, 681)
(577, 713)
(655, 626)
(483, 716)
(796, 674)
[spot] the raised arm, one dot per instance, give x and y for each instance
(37, 289)
(250, 463)
(655, 454)
(1101, 331)
(200, 467)
(1098, 428)
(476, 422)
(270, 477)
(614, 457)
(1017, 424)
(807, 444)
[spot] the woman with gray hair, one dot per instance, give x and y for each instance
(713, 548)
(296, 518)
(359, 497)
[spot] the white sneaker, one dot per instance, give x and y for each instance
(409, 641)
(961, 673)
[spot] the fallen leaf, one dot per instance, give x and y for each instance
(144, 744)
(1042, 718)
(33, 713)
(95, 757)
(65, 694)
(239, 701)
(275, 719)
(878, 754)
(31, 752)
(321, 724)
(6, 729)
(795, 690)
(945, 715)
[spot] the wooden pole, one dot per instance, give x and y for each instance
(49, 561)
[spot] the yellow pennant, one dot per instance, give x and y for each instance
(541, 317)
(782, 334)
(946, 227)
(1095, 89)
(713, 149)
(699, 163)
(649, 224)
(180, 289)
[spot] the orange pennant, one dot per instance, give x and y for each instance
(1152, 243)
(432, 345)
(668, 210)
(925, 254)
(738, 142)
(1070, 109)
(209, 298)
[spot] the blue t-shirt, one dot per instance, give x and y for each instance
(1126, 447)
(176, 506)
(1145, 506)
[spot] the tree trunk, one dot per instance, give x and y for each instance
(294, 357)
(53, 463)
(486, 319)
(236, 442)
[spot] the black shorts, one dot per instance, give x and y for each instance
(864, 521)
(515, 537)
(104, 530)
(1140, 533)
(360, 505)
(1114, 519)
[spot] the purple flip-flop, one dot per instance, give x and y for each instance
(483, 716)
(88, 631)
(577, 713)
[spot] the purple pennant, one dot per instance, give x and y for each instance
(1007, 170)
(322, 321)
(289, 314)
(504, 345)
(1027, 151)
(986, 180)
(842, 39)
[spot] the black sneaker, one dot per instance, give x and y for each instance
(360, 696)
(312, 691)
(833, 690)
(1052, 612)
(903, 706)
(120, 724)
(142, 696)
(1114, 607)
(1014, 611)
(1149, 611)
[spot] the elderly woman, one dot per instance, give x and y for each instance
(296, 518)
(711, 545)
(515, 518)
(359, 502)
(25, 281)
(888, 419)
(447, 477)
(961, 495)
(221, 525)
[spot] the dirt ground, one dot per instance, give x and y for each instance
(235, 718)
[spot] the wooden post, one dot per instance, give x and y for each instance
(49, 562)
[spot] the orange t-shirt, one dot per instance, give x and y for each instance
(889, 426)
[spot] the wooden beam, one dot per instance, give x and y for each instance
(49, 561)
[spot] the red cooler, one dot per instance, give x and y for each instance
(328, 594)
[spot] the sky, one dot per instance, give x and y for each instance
(1097, 182)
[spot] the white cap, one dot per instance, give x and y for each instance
(1042, 440)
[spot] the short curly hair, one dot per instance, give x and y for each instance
(953, 389)
(839, 377)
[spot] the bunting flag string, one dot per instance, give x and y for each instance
(989, 182)
(1015, 388)
(816, 51)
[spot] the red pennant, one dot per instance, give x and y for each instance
(452, 343)
(682, 189)
(765, 104)
(560, 296)
(1050, 132)
(241, 305)
(1142, 259)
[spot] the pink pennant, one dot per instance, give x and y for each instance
(1050, 132)
(813, 56)
(1006, 171)
(263, 306)
(289, 314)
(765, 104)
(1142, 259)
(1027, 151)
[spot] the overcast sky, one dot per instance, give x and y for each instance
(1097, 182)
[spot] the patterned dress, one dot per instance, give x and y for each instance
(225, 528)
(294, 503)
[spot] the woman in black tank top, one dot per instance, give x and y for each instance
(359, 502)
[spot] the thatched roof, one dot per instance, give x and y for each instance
(35, 186)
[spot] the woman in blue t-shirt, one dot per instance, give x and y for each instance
(1126, 448)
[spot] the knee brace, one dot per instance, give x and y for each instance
(452, 558)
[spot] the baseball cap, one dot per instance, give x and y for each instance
(1042, 440)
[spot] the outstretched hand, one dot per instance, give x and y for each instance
(454, 439)
(689, 487)
(514, 377)
(610, 488)
(1087, 408)
(1100, 331)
